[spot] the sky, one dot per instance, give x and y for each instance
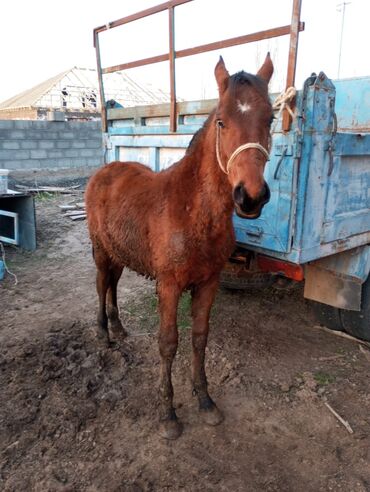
(41, 38)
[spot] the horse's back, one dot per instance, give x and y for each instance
(115, 180)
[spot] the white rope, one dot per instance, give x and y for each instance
(281, 103)
(5, 265)
(251, 145)
(246, 146)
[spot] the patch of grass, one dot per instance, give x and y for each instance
(184, 312)
(43, 196)
(323, 378)
(146, 309)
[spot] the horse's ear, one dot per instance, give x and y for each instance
(267, 69)
(222, 76)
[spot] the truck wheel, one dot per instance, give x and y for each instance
(357, 323)
(328, 316)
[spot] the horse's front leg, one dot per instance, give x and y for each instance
(169, 295)
(202, 299)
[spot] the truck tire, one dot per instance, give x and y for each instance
(328, 316)
(357, 323)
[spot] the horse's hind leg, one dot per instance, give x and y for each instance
(169, 295)
(202, 299)
(102, 283)
(112, 306)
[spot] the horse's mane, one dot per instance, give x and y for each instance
(198, 134)
(244, 78)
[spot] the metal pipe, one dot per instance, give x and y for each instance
(292, 59)
(173, 114)
(140, 15)
(343, 5)
(226, 43)
(103, 109)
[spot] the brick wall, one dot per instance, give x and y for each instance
(28, 145)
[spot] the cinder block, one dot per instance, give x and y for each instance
(71, 153)
(39, 154)
(23, 164)
(21, 154)
(66, 135)
(50, 163)
(88, 152)
(34, 135)
(31, 164)
(78, 144)
(79, 162)
(94, 143)
(56, 154)
(17, 134)
(8, 144)
(64, 144)
(46, 144)
(41, 125)
(6, 124)
(22, 125)
(6, 154)
(28, 144)
(95, 161)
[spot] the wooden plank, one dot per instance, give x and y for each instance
(72, 213)
(156, 110)
(78, 217)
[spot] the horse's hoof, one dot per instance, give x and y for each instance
(212, 416)
(102, 336)
(117, 332)
(170, 429)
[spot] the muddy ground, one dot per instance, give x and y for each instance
(75, 416)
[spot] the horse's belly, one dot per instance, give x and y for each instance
(131, 248)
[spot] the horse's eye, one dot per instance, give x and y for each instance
(271, 120)
(220, 123)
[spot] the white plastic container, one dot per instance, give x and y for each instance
(4, 181)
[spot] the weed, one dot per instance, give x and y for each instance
(43, 196)
(323, 378)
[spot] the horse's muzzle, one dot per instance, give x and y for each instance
(247, 207)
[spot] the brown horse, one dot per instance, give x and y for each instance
(176, 226)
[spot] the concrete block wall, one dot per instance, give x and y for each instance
(34, 145)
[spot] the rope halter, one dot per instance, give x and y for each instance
(237, 151)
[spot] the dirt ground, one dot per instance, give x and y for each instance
(75, 416)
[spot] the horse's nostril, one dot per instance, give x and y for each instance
(267, 194)
(239, 194)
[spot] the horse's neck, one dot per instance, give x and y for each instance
(210, 188)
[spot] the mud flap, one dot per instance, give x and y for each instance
(337, 280)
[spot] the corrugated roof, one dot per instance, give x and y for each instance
(77, 89)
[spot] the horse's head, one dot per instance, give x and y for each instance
(243, 119)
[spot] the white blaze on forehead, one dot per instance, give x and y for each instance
(243, 107)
